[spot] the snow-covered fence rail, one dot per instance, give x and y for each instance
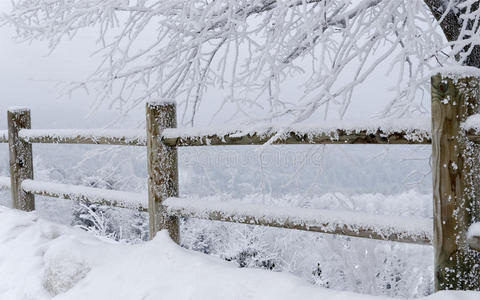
(379, 132)
(124, 137)
(454, 135)
(162, 139)
(87, 194)
(392, 228)
(163, 182)
(391, 132)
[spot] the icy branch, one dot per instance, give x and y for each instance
(248, 49)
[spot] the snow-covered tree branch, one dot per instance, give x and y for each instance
(250, 48)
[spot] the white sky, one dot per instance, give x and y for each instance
(30, 77)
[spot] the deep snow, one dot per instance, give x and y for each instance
(43, 260)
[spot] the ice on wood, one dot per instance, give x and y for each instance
(93, 195)
(407, 229)
(17, 108)
(165, 101)
(92, 136)
(456, 71)
(415, 130)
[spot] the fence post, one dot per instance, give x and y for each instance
(21, 163)
(162, 168)
(455, 186)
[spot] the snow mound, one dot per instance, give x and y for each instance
(42, 260)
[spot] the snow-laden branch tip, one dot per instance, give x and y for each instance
(178, 49)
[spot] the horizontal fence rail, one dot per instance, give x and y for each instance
(87, 194)
(390, 132)
(397, 132)
(123, 137)
(355, 224)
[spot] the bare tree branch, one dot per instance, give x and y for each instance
(249, 49)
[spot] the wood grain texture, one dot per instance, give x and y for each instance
(162, 168)
(454, 184)
(340, 137)
(21, 162)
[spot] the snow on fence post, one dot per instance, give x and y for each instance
(455, 168)
(162, 168)
(21, 165)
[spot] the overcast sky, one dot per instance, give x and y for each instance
(30, 77)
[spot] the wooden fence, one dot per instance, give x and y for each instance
(454, 167)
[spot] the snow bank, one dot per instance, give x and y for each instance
(325, 220)
(41, 260)
(414, 129)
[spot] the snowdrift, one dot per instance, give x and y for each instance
(43, 260)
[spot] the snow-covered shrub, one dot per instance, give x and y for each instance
(95, 218)
(62, 274)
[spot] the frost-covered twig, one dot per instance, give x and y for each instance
(179, 48)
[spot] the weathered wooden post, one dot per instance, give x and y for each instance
(455, 168)
(162, 168)
(21, 162)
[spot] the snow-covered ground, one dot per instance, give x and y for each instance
(388, 181)
(44, 260)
